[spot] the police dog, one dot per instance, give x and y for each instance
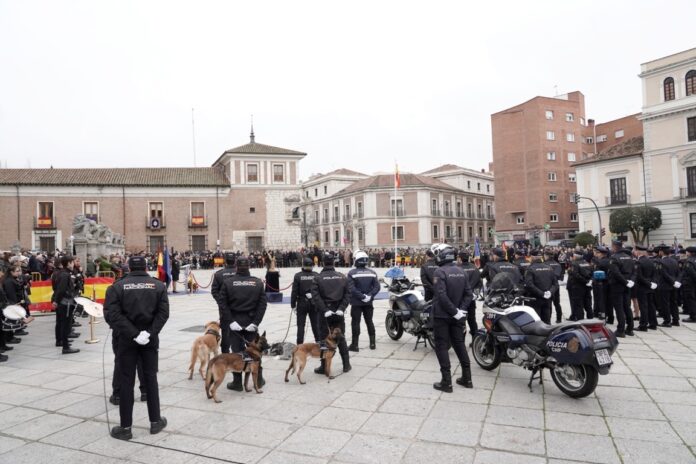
(203, 346)
(234, 362)
(305, 350)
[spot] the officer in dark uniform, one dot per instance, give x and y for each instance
(540, 283)
(452, 295)
(301, 300)
(600, 266)
(476, 284)
(688, 280)
(15, 292)
(138, 308)
(559, 271)
(521, 261)
(219, 278)
(621, 277)
(646, 277)
(331, 294)
(243, 306)
(364, 288)
(498, 265)
(579, 287)
(667, 287)
(64, 303)
(426, 274)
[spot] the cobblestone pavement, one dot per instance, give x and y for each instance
(385, 410)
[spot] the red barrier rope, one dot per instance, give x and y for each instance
(274, 289)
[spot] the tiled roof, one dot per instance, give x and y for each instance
(129, 177)
(387, 181)
(443, 168)
(631, 147)
(344, 172)
(261, 149)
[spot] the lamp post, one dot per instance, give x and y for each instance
(599, 216)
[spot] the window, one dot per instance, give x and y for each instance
(553, 197)
(316, 216)
(690, 83)
(692, 216)
(571, 157)
(252, 173)
(397, 207)
(198, 243)
(436, 231)
(433, 207)
(601, 138)
(468, 184)
(336, 215)
(326, 214)
(582, 121)
(570, 137)
(336, 237)
(91, 210)
(156, 209)
(479, 211)
(459, 209)
(45, 218)
(551, 177)
(480, 232)
(573, 217)
(617, 187)
(668, 86)
(448, 231)
(572, 177)
(347, 207)
(571, 198)
(520, 219)
(470, 209)
(570, 117)
(489, 211)
(325, 190)
(589, 140)
(488, 188)
(550, 135)
(252, 209)
(326, 237)
(360, 234)
(306, 194)
(691, 129)
(360, 210)
(551, 155)
(197, 213)
(316, 192)
(553, 217)
(471, 232)
(549, 114)
(691, 181)
(459, 232)
(478, 186)
(279, 173)
(618, 134)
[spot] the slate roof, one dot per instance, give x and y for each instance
(381, 181)
(631, 147)
(261, 149)
(129, 177)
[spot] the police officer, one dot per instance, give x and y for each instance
(243, 306)
(600, 265)
(364, 288)
(646, 277)
(579, 287)
(64, 303)
(219, 278)
(667, 287)
(15, 292)
(621, 277)
(559, 271)
(452, 295)
(688, 280)
(498, 264)
(426, 273)
(331, 294)
(540, 283)
(521, 261)
(301, 300)
(138, 308)
(475, 284)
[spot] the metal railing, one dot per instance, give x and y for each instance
(435, 212)
(617, 201)
(397, 212)
(686, 193)
(149, 224)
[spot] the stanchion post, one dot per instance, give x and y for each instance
(92, 321)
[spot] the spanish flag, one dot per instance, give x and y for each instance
(397, 177)
(42, 291)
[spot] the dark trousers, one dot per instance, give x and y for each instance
(356, 312)
(580, 302)
(689, 299)
(471, 317)
(64, 324)
(620, 298)
(326, 325)
(303, 312)
(666, 300)
(447, 331)
(225, 337)
(129, 354)
(646, 305)
(556, 299)
(542, 306)
(116, 380)
(599, 291)
(239, 339)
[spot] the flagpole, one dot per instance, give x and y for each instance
(396, 220)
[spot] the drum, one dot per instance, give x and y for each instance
(13, 318)
(91, 307)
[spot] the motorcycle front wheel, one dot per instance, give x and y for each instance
(576, 381)
(487, 356)
(393, 325)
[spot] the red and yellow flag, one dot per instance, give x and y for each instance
(397, 177)
(42, 291)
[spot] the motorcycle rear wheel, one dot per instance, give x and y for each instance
(576, 381)
(393, 325)
(487, 357)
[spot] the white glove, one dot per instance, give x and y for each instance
(630, 284)
(589, 284)
(308, 295)
(366, 299)
(328, 314)
(547, 294)
(235, 327)
(460, 314)
(143, 338)
(677, 284)
(653, 285)
(251, 328)
(339, 313)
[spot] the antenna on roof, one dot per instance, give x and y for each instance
(193, 134)
(251, 136)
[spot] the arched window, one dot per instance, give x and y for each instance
(668, 86)
(691, 83)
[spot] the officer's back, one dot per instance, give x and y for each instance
(539, 278)
(364, 282)
(452, 290)
(243, 294)
(302, 285)
(332, 288)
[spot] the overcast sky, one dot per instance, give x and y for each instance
(355, 84)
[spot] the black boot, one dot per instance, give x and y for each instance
(346, 363)
(157, 427)
(236, 383)
(354, 344)
(121, 433)
(465, 379)
(372, 342)
(321, 369)
(445, 384)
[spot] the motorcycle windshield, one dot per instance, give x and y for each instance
(394, 273)
(502, 283)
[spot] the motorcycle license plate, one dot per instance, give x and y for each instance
(603, 357)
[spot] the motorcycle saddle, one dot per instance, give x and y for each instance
(543, 329)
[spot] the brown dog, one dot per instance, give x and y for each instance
(301, 352)
(203, 346)
(234, 362)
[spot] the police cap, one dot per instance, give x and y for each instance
(498, 252)
(464, 256)
(230, 258)
(243, 263)
(691, 249)
(328, 259)
(601, 249)
(137, 263)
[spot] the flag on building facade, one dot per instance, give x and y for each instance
(397, 177)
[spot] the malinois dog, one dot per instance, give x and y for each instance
(234, 362)
(301, 352)
(203, 346)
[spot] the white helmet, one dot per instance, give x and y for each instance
(361, 258)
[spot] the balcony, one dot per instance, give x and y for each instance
(460, 214)
(358, 215)
(335, 218)
(155, 223)
(480, 216)
(685, 193)
(448, 213)
(45, 222)
(325, 220)
(618, 201)
(435, 212)
(399, 212)
(198, 222)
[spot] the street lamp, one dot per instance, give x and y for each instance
(599, 216)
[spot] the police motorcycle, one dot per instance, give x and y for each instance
(574, 352)
(408, 311)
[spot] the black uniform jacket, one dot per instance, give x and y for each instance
(452, 291)
(540, 278)
(218, 279)
(243, 300)
(301, 285)
(364, 282)
(331, 290)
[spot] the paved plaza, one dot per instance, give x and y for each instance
(385, 410)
